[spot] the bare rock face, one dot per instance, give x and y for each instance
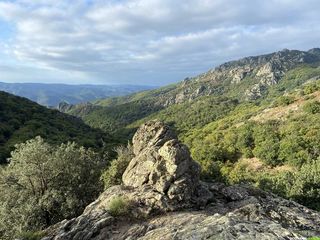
(162, 163)
(168, 201)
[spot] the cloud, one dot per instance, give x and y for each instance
(152, 41)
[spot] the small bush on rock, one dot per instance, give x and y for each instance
(119, 206)
(31, 235)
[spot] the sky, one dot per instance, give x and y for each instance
(145, 42)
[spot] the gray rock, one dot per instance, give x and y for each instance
(162, 162)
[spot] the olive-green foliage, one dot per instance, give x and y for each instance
(302, 186)
(44, 184)
(266, 142)
(21, 119)
(312, 107)
(119, 206)
(31, 235)
(196, 114)
(311, 88)
(314, 238)
(283, 101)
(112, 176)
(112, 118)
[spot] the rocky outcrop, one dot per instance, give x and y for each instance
(168, 201)
(162, 163)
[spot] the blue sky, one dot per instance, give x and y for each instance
(152, 42)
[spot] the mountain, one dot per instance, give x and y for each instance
(247, 79)
(162, 198)
(254, 120)
(53, 94)
(22, 119)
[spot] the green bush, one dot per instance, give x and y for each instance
(311, 88)
(31, 235)
(119, 206)
(312, 107)
(283, 101)
(113, 175)
(44, 184)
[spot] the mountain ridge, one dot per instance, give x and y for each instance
(246, 79)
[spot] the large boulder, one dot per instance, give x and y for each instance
(162, 162)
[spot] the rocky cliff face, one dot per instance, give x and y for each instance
(262, 71)
(168, 201)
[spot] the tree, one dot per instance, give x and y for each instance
(266, 141)
(44, 184)
(306, 187)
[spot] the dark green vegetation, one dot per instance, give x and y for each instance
(21, 120)
(44, 184)
(255, 120)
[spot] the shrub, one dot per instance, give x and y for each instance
(44, 184)
(119, 206)
(112, 176)
(312, 107)
(31, 235)
(311, 88)
(283, 101)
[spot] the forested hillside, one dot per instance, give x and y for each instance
(22, 119)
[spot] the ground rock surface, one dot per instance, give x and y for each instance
(168, 201)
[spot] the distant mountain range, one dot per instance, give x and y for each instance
(53, 94)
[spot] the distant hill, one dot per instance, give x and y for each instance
(53, 94)
(22, 119)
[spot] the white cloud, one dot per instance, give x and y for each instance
(153, 41)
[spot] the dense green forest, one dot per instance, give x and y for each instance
(22, 119)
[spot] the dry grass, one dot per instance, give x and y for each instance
(283, 112)
(257, 165)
